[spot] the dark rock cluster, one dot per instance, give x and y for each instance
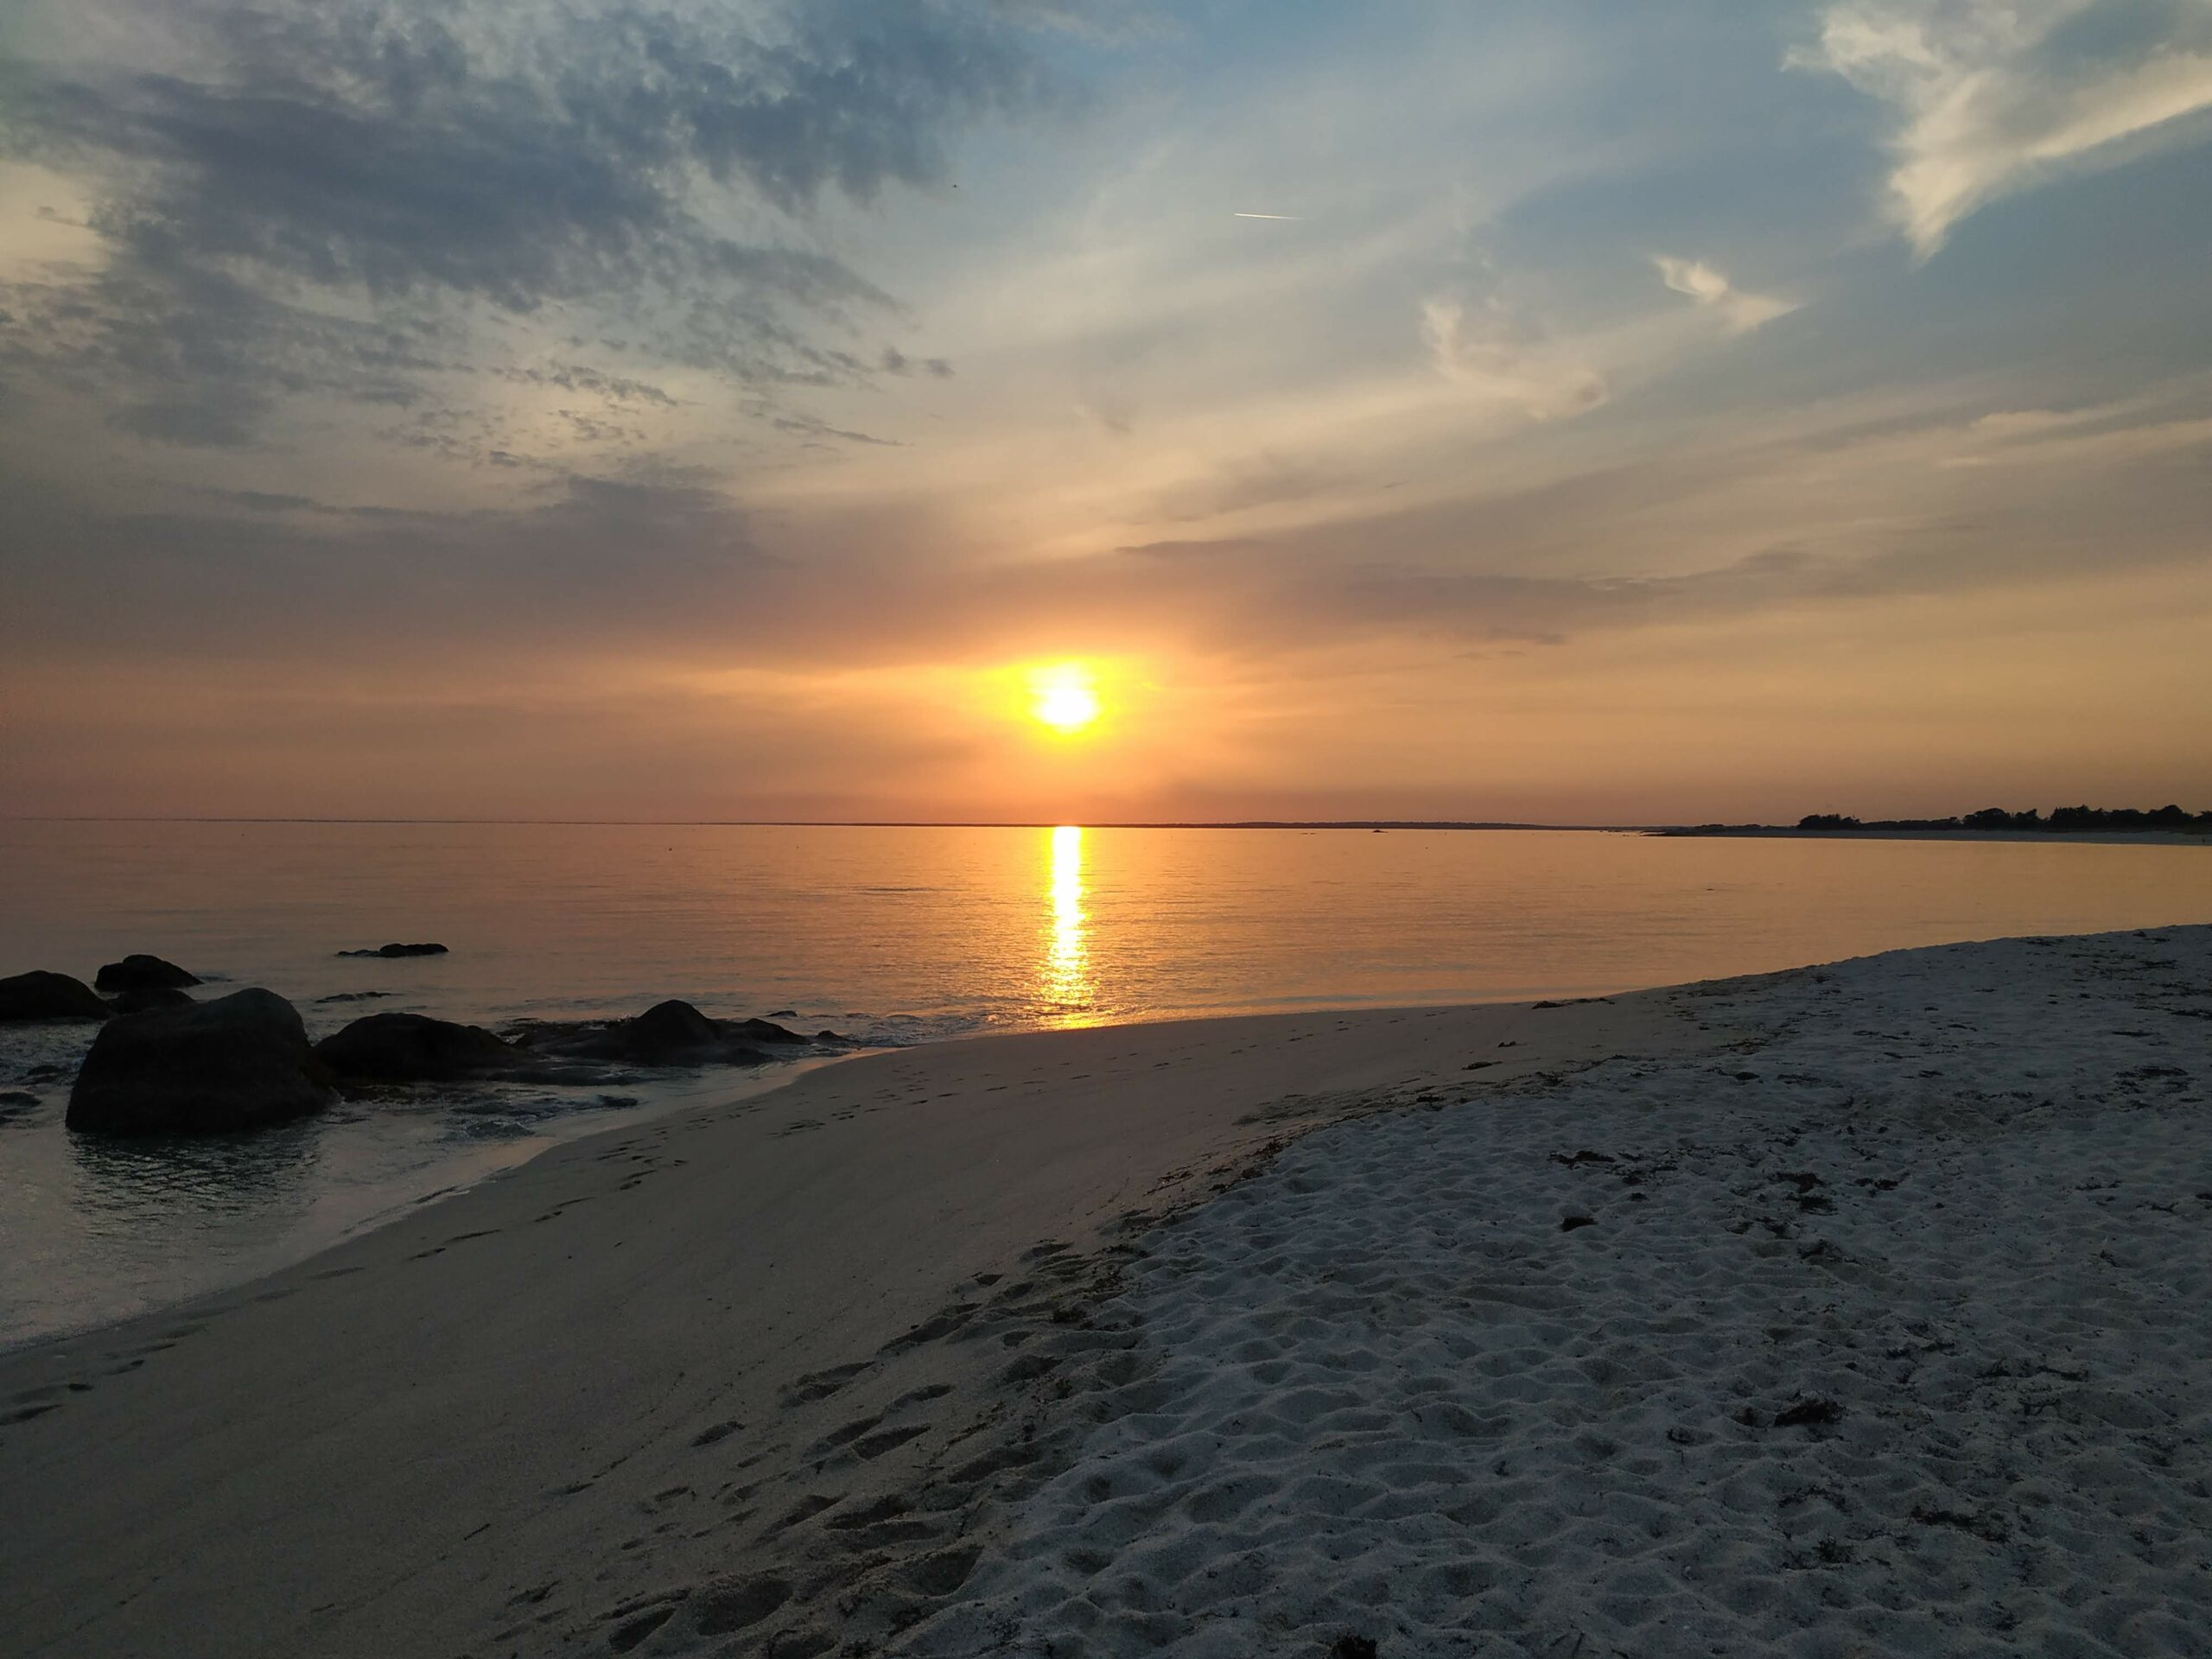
(165, 1064)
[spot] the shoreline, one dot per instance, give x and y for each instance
(788, 1368)
(2071, 838)
(193, 1269)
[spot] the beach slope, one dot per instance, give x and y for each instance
(662, 1370)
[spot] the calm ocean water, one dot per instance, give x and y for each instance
(890, 935)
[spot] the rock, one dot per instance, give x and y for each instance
(238, 1062)
(41, 995)
(667, 1028)
(142, 973)
(167, 996)
(414, 1048)
(399, 950)
(668, 1033)
(352, 996)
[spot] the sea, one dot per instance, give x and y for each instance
(889, 935)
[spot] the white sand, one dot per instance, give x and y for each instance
(1963, 1197)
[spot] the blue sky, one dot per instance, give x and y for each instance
(718, 409)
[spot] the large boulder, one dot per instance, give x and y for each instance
(142, 973)
(238, 1062)
(399, 950)
(414, 1048)
(41, 995)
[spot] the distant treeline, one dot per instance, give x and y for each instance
(2063, 819)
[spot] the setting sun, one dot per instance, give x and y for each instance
(1061, 698)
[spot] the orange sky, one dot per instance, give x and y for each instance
(1624, 422)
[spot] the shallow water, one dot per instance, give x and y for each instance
(889, 935)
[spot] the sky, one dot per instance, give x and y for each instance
(1557, 410)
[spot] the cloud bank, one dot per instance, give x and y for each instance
(340, 199)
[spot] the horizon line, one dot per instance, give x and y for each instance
(855, 824)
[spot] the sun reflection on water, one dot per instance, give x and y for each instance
(1063, 981)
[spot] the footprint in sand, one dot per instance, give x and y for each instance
(820, 1385)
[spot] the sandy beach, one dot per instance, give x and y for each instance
(1850, 1309)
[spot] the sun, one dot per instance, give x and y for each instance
(1061, 698)
(1067, 708)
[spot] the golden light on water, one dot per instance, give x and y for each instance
(1064, 698)
(1064, 982)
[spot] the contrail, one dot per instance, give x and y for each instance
(1295, 217)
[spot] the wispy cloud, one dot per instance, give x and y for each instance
(1992, 97)
(1742, 311)
(1501, 353)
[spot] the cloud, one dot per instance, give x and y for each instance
(336, 199)
(1742, 311)
(1260, 480)
(612, 562)
(1992, 97)
(653, 566)
(1499, 352)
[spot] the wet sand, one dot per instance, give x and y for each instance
(657, 1362)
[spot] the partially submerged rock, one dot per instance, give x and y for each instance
(41, 995)
(666, 1030)
(142, 973)
(238, 1062)
(399, 950)
(414, 1048)
(145, 1002)
(668, 1033)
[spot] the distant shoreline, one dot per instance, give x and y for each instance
(1789, 832)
